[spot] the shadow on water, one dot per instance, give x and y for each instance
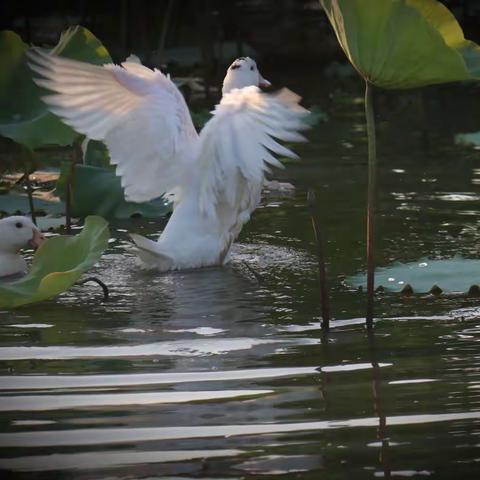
(223, 373)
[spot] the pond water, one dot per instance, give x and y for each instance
(219, 373)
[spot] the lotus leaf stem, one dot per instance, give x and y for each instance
(372, 187)
(96, 280)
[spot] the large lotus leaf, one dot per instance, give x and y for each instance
(24, 117)
(398, 44)
(57, 265)
(454, 275)
(99, 191)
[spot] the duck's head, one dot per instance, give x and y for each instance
(243, 72)
(19, 232)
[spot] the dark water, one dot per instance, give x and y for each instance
(213, 374)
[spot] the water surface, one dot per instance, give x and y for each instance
(219, 373)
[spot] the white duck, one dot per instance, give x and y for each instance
(16, 233)
(214, 178)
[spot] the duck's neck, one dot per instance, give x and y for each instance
(11, 264)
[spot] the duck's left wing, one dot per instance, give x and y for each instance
(139, 113)
(238, 144)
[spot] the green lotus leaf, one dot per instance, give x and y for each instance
(98, 191)
(453, 275)
(57, 265)
(24, 117)
(468, 139)
(399, 44)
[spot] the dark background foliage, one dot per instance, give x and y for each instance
(203, 34)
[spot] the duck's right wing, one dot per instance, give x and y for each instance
(236, 147)
(139, 114)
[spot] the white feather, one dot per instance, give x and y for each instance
(238, 141)
(139, 114)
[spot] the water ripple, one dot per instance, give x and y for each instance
(103, 436)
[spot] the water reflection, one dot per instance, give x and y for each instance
(97, 436)
(107, 459)
(378, 407)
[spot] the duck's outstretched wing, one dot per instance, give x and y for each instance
(237, 145)
(139, 114)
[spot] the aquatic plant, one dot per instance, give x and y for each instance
(398, 45)
(425, 275)
(97, 190)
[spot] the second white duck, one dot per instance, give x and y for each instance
(16, 233)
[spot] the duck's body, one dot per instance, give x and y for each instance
(12, 264)
(192, 239)
(215, 178)
(16, 233)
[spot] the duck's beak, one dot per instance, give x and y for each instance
(37, 239)
(264, 83)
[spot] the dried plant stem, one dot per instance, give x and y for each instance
(28, 161)
(257, 276)
(322, 271)
(76, 158)
(30, 196)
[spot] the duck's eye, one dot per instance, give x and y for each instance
(19, 224)
(252, 68)
(234, 67)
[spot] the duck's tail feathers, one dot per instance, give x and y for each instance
(148, 252)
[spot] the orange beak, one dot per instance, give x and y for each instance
(264, 82)
(37, 239)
